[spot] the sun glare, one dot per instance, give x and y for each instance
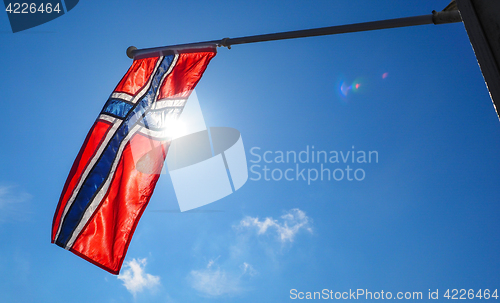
(175, 128)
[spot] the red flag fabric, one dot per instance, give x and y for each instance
(106, 191)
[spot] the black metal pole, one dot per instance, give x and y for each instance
(434, 18)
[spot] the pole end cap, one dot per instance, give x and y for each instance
(130, 51)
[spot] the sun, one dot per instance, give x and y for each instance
(175, 128)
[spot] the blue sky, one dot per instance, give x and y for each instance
(423, 217)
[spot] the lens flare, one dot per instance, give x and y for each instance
(345, 89)
(384, 75)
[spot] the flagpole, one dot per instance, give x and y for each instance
(441, 17)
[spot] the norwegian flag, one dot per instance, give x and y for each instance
(115, 172)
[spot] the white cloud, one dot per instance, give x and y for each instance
(12, 204)
(235, 273)
(211, 262)
(213, 281)
(292, 222)
(248, 269)
(135, 279)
